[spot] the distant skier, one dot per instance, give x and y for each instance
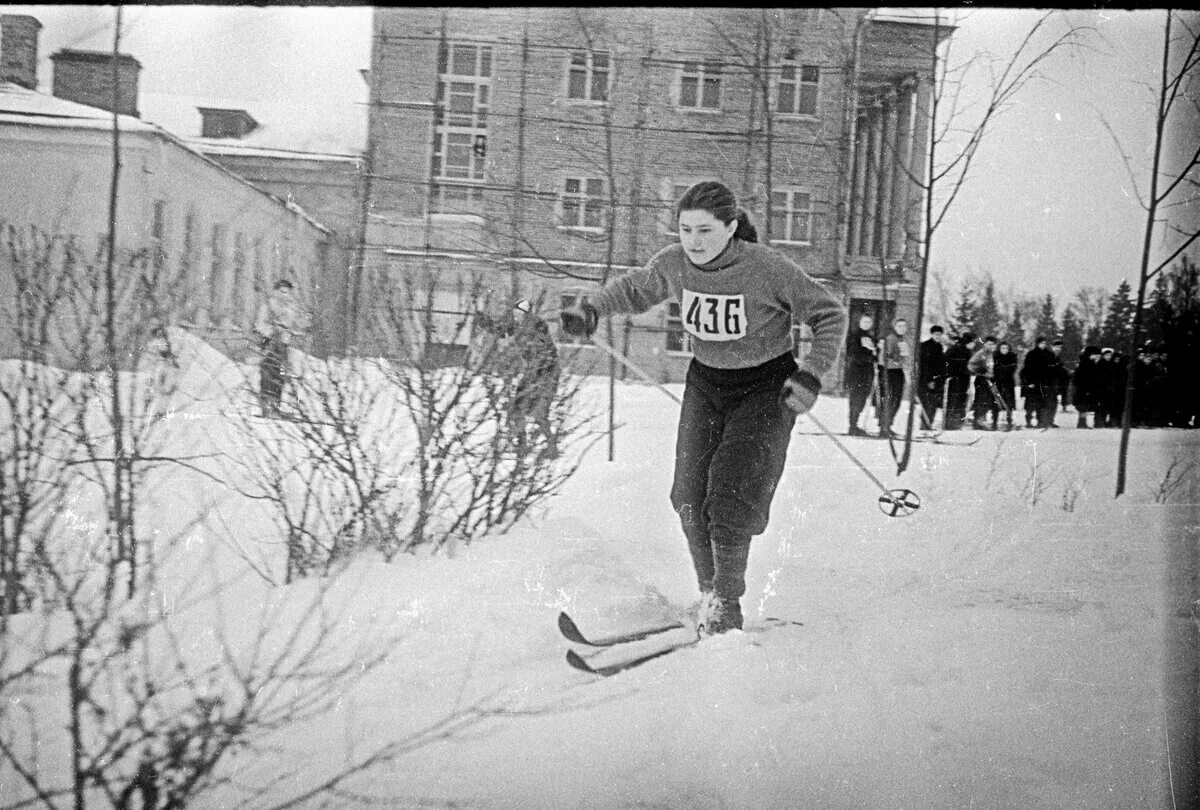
(958, 380)
(537, 381)
(982, 367)
(1060, 383)
(276, 324)
(860, 370)
(1005, 375)
(895, 356)
(1037, 383)
(739, 301)
(931, 375)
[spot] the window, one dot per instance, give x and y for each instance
(700, 85)
(583, 203)
(588, 76)
(158, 236)
(796, 92)
(567, 300)
(791, 216)
(678, 340)
(216, 281)
(460, 129)
(239, 276)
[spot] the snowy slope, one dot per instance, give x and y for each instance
(1002, 647)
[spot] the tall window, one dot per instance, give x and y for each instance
(239, 277)
(796, 91)
(460, 128)
(791, 216)
(583, 203)
(700, 85)
(158, 236)
(216, 280)
(678, 339)
(588, 76)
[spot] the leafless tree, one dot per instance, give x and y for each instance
(1173, 180)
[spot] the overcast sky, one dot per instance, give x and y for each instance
(1048, 206)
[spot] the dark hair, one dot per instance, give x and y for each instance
(718, 200)
(935, 328)
(282, 284)
(990, 339)
(1040, 339)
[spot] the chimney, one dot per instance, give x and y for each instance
(86, 77)
(18, 49)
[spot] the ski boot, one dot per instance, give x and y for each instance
(720, 616)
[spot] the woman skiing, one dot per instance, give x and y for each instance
(739, 300)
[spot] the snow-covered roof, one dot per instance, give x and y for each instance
(285, 129)
(19, 105)
(911, 16)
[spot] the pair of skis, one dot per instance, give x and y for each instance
(598, 644)
(571, 632)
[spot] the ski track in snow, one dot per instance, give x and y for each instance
(1002, 647)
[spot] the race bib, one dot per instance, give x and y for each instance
(903, 348)
(709, 316)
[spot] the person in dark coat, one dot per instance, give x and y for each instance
(982, 367)
(931, 375)
(1149, 390)
(1037, 384)
(860, 370)
(1060, 382)
(1110, 389)
(1004, 371)
(1086, 384)
(958, 380)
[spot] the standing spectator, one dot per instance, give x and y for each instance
(958, 380)
(931, 375)
(1036, 383)
(860, 370)
(1110, 395)
(894, 357)
(1005, 375)
(982, 366)
(276, 325)
(1149, 389)
(537, 380)
(1086, 384)
(1060, 381)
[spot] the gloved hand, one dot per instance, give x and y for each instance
(800, 391)
(580, 321)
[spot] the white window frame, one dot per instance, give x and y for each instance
(702, 71)
(798, 83)
(589, 70)
(461, 127)
(788, 237)
(674, 326)
(583, 198)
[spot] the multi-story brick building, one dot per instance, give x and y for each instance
(544, 147)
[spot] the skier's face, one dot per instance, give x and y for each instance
(865, 323)
(703, 236)
(900, 328)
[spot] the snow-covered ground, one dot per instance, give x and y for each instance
(1005, 646)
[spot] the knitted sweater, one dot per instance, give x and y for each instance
(740, 307)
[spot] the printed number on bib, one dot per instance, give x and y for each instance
(709, 316)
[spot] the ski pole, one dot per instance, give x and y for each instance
(629, 364)
(893, 502)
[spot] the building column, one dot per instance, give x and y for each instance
(903, 186)
(858, 184)
(920, 153)
(871, 201)
(887, 174)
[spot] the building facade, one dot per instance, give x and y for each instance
(223, 240)
(543, 149)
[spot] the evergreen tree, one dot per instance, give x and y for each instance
(1014, 332)
(963, 319)
(1117, 329)
(1047, 324)
(1159, 315)
(987, 314)
(1071, 336)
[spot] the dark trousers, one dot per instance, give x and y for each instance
(956, 401)
(858, 388)
(985, 402)
(931, 400)
(891, 393)
(270, 375)
(729, 456)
